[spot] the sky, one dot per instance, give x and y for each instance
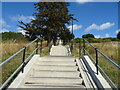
(97, 18)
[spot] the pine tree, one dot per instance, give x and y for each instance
(50, 20)
(53, 16)
(118, 35)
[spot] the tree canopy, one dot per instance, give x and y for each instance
(88, 36)
(118, 35)
(50, 21)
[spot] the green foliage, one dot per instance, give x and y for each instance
(118, 35)
(12, 36)
(96, 40)
(50, 21)
(77, 40)
(88, 36)
(66, 36)
(15, 36)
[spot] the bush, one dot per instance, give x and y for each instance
(96, 40)
(77, 40)
(14, 36)
(88, 36)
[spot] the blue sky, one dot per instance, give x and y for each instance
(98, 18)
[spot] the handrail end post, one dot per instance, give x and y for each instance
(23, 59)
(96, 60)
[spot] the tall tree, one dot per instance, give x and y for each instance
(53, 16)
(66, 36)
(118, 35)
(50, 20)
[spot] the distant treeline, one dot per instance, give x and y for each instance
(14, 36)
(96, 40)
(91, 38)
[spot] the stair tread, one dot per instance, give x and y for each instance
(54, 74)
(56, 63)
(57, 60)
(46, 80)
(52, 86)
(59, 68)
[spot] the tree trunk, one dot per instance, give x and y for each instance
(54, 42)
(48, 43)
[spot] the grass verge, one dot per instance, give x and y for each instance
(9, 48)
(110, 49)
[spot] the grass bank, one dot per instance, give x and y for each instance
(9, 48)
(110, 49)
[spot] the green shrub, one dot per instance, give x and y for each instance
(12, 36)
(96, 40)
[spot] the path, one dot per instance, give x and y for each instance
(56, 70)
(59, 70)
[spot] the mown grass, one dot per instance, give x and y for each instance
(9, 48)
(110, 49)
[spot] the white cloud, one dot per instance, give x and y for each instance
(4, 30)
(105, 26)
(22, 18)
(100, 27)
(117, 31)
(93, 26)
(97, 36)
(21, 30)
(75, 27)
(4, 24)
(83, 1)
(107, 35)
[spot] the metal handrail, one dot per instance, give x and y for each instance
(31, 42)
(4, 84)
(89, 43)
(104, 55)
(17, 53)
(24, 60)
(97, 66)
(100, 69)
(11, 57)
(109, 59)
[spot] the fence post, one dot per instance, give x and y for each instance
(40, 47)
(84, 45)
(37, 47)
(96, 60)
(23, 61)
